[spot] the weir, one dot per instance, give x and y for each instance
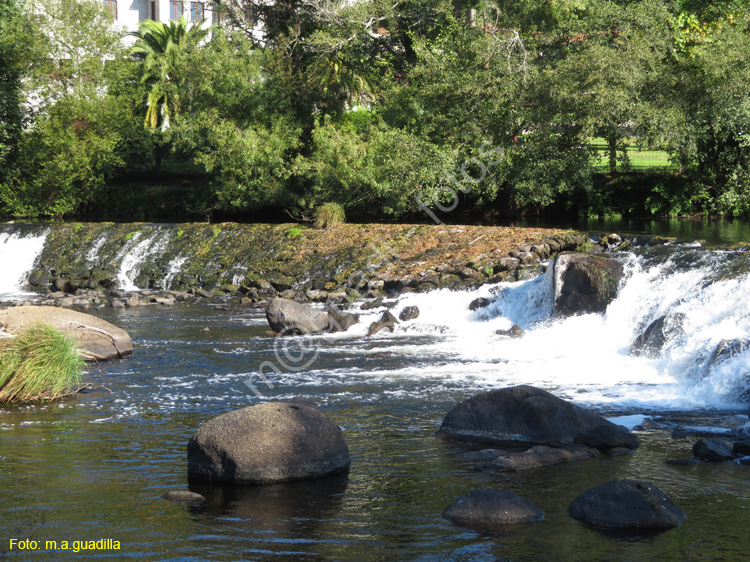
(703, 363)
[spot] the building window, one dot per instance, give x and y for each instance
(175, 9)
(196, 11)
(153, 11)
(112, 7)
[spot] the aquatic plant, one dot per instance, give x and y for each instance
(40, 363)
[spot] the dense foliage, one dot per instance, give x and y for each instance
(413, 108)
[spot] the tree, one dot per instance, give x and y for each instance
(11, 74)
(158, 46)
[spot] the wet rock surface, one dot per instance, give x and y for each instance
(627, 504)
(489, 509)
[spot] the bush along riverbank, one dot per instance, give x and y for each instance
(123, 265)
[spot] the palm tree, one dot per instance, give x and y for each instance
(158, 45)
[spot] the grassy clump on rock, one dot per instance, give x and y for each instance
(40, 363)
(329, 215)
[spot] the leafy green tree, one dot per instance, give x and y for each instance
(11, 74)
(158, 46)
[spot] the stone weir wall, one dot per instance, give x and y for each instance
(254, 261)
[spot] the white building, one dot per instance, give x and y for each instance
(129, 13)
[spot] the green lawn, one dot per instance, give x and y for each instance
(641, 159)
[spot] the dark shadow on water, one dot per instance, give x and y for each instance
(275, 507)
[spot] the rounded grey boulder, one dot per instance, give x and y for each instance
(290, 317)
(627, 504)
(97, 339)
(492, 508)
(270, 442)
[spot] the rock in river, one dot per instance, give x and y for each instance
(492, 508)
(524, 416)
(269, 442)
(290, 317)
(99, 340)
(587, 283)
(627, 504)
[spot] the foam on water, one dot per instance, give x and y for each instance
(585, 358)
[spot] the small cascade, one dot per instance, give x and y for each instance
(136, 252)
(173, 268)
(587, 357)
(18, 253)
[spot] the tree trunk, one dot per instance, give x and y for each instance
(612, 142)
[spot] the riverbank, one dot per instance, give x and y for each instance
(81, 264)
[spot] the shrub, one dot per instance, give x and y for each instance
(329, 215)
(40, 363)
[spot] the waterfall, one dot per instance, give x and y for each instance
(18, 253)
(136, 252)
(706, 364)
(173, 268)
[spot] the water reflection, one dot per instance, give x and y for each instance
(277, 508)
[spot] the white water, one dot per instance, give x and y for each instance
(135, 253)
(585, 358)
(17, 256)
(175, 266)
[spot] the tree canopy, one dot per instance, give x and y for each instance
(428, 109)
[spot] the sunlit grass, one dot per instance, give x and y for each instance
(40, 363)
(641, 158)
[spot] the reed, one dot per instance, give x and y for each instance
(40, 363)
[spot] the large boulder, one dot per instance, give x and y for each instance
(269, 442)
(651, 342)
(585, 283)
(290, 317)
(96, 338)
(627, 504)
(524, 416)
(492, 508)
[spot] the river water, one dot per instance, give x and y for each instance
(94, 466)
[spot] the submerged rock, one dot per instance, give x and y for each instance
(627, 504)
(269, 442)
(526, 416)
(539, 456)
(492, 508)
(587, 283)
(183, 496)
(96, 338)
(290, 317)
(651, 342)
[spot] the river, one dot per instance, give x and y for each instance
(94, 466)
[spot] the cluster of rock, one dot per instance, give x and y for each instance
(714, 450)
(539, 430)
(97, 288)
(291, 441)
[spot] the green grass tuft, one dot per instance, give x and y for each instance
(329, 215)
(40, 363)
